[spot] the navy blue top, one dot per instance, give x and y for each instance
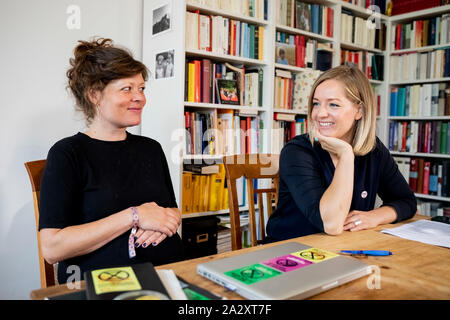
(306, 171)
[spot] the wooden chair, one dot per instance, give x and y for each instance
(35, 171)
(250, 166)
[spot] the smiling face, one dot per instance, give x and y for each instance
(333, 114)
(120, 103)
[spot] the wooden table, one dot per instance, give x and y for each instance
(414, 271)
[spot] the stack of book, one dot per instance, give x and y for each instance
(292, 90)
(422, 33)
(432, 208)
(420, 136)
(362, 32)
(252, 8)
(222, 35)
(314, 18)
(433, 64)
(430, 177)
(201, 82)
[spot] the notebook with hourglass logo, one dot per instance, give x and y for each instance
(286, 271)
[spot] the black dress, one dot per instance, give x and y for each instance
(306, 171)
(87, 179)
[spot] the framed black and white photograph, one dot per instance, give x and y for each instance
(162, 16)
(227, 91)
(164, 64)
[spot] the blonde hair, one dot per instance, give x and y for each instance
(359, 91)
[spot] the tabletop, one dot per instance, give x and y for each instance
(414, 271)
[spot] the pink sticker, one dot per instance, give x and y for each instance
(287, 263)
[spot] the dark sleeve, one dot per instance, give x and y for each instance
(302, 174)
(168, 180)
(58, 190)
(393, 188)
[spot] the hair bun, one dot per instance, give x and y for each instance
(86, 48)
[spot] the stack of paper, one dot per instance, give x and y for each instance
(429, 232)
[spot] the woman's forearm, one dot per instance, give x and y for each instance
(336, 200)
(61, 244)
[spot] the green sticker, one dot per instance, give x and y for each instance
(252, 274)
(192, 295)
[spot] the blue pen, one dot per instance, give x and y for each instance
(368, 252)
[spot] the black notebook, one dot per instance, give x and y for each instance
(135, 282)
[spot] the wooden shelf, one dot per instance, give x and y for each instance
(224, 57)
(291, 30)
(406, 118)
(430, 197)
(419, 81)
(210, 213)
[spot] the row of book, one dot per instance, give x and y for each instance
(420, 136)
(286, 127)
(362, 32)
(302, 52)
(314, 18)
(422, 33)
(433, 64)
(430, 99)
(370, 63)
(252, 8)
(222, 35)
(201, 82)
(292, 90)
(222, 132)
(432, 208)
(204, 192)
(425, 176)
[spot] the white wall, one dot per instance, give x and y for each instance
(36, 110)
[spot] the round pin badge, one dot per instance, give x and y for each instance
(364, 194)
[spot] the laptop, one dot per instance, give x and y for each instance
(287, 271)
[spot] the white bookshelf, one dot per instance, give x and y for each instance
(163, 117)
(393, 21)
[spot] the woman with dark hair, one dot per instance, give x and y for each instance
(99, 184)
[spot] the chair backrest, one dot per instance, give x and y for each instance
(250, 166)
(35, 171)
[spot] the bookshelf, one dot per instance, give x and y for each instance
(163, 118)
(429, 112)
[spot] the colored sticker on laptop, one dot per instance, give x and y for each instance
(252, 274)
(315, 255)
(287, 263)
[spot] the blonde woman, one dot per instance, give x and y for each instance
(329, 178)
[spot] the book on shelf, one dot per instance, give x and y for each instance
(292, 89)
(379, 4)
(309, 17)
(371, 64)
(431, 64)
(224, 36)
(421, 33)
(253, 8)
(204, 192)
(420, 136)
(427, 100)
(201, 82)
(285, 127)
(429, 177)
(406, 6)
(362, 32)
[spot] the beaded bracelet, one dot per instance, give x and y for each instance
(131, 249)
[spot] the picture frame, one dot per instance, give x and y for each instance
(164, 64)
(227, 91)
(285, 53)
(162, 19)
